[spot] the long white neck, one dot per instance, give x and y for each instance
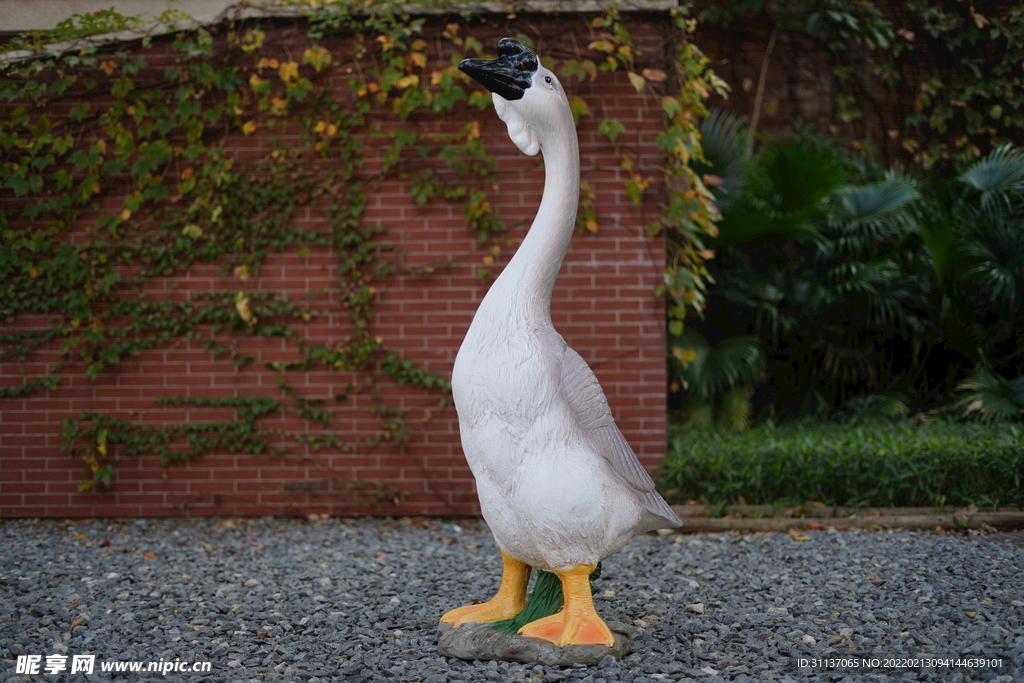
(528, 280)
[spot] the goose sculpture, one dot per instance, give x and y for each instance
(559, 486)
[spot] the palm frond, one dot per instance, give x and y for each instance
(860, 277)
(721, 139)
(996, 244)
(765, 295)
(751, 218)
(999, 176)
(875, 201)
(802, 174)
(874, 409)
(937, 220)
(992, 397)
(733, 410)
(713, 370)
(862, 219)
(783, 192)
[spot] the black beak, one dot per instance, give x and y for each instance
(510, 74)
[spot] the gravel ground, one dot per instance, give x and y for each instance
(272, 599)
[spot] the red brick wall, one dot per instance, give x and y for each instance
(604, 305)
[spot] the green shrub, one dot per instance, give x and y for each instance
(903, 465)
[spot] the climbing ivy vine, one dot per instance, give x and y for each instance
(118, 175)
(926, 82)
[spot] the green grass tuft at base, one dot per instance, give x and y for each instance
(545, 600)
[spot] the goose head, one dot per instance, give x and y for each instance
(527, 97)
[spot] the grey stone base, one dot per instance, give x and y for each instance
(480, 641)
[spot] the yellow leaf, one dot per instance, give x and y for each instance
(126, 213)
(289, 71)
(277, 103)
(489, 260)
(590, 225)
(249, 128)
(637, 80)
(252, 41)
(684, 356)
(410, 81)
(242, 306)
(320, 127)
(318, 56)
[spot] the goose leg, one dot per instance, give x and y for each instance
(506, 603)
(578, 622)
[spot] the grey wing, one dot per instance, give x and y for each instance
(584, 395)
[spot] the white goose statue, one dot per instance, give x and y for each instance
(559, 486)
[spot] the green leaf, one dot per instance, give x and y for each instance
(579, 108)
(611, 129)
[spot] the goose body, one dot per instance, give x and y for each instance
(551, 467)
(558, 484)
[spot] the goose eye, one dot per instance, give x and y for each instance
(547, 79)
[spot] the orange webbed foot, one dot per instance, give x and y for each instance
(492, 610)
(570, 629)
(578, 623)
(507, 602)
